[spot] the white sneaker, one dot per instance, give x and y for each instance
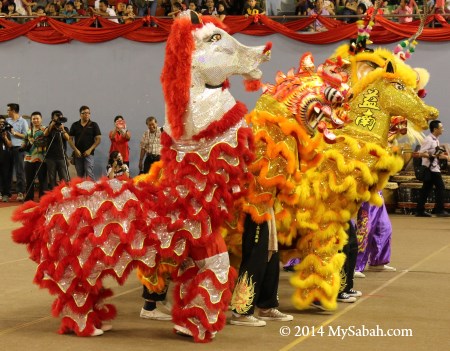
(358, 275)
(97, 332)
(106, 327)
(354, 293)
(182, 330)
(20, 197)
(382, 268)
(155, 315)
(164, 306)
(344, 297)
(272, 314)
(246, 320)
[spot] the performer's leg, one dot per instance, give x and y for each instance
(380, 252)
(347, 294)
(255, 243)
(203, 290)
(149, 311)
(268, 291)
(363, 233)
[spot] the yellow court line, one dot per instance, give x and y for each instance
(27, 324)
(362, 299)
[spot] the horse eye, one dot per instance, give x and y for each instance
(399, 86)
(215, 37)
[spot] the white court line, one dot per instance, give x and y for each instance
(37, 321)
(362, 299)
(19, 260)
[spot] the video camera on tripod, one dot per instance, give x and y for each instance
(59, 119)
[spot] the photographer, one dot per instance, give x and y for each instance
(17, 133)
(431, 153)
(120, 136)
(55, 159)
(5, 159)
(35, 145)
(116, 167)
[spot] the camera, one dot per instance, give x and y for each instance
(5, 127)
(439, 150)
(59, 119)
(119, 163)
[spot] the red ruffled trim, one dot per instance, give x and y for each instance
(229, 119)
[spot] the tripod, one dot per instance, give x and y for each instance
(62, 150)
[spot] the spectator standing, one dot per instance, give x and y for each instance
(17, 134)
(35, 144)
(150, 145)
(116, 167)
(5, 161)
(146, 7)
(129, 15)
(210, 9)
(403, 9)
(350, 9)
(120, 136)
(69, 12)
(104, 11)
(221, 11)
(78, 4)
(431, 153)
(86, 137)
(318, 9)
(120, 12)
(57, 136)
(251, 9)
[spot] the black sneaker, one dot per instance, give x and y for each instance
(344, 297)
(354, 293)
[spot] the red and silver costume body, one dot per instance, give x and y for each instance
(169, 220)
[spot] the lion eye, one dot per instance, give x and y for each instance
(398, 86)
(215, 37)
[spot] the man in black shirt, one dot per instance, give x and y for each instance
(86, 136)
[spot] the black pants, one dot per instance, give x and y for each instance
(147, 295)
(149, 159)
(255, 271)
(438, 183)
(31, 168)
(5, 182)
(351, 252)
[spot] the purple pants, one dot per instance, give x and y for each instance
(374, 232)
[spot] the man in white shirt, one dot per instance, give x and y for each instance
(431, 153)
(104, 11)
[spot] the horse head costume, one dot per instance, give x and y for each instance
(321, 139)
(168, 220)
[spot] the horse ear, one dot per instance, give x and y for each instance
(195, 19)
(390, 67)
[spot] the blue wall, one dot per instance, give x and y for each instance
(122, 77)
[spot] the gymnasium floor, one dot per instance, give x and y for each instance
(414, 300)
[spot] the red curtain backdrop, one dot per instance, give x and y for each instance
(56, 32)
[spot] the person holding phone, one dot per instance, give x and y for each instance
(120, 136)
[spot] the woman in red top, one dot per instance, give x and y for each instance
(119, 137)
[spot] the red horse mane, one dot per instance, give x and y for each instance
(176, 74)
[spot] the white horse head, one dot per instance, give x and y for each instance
(195, 90)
